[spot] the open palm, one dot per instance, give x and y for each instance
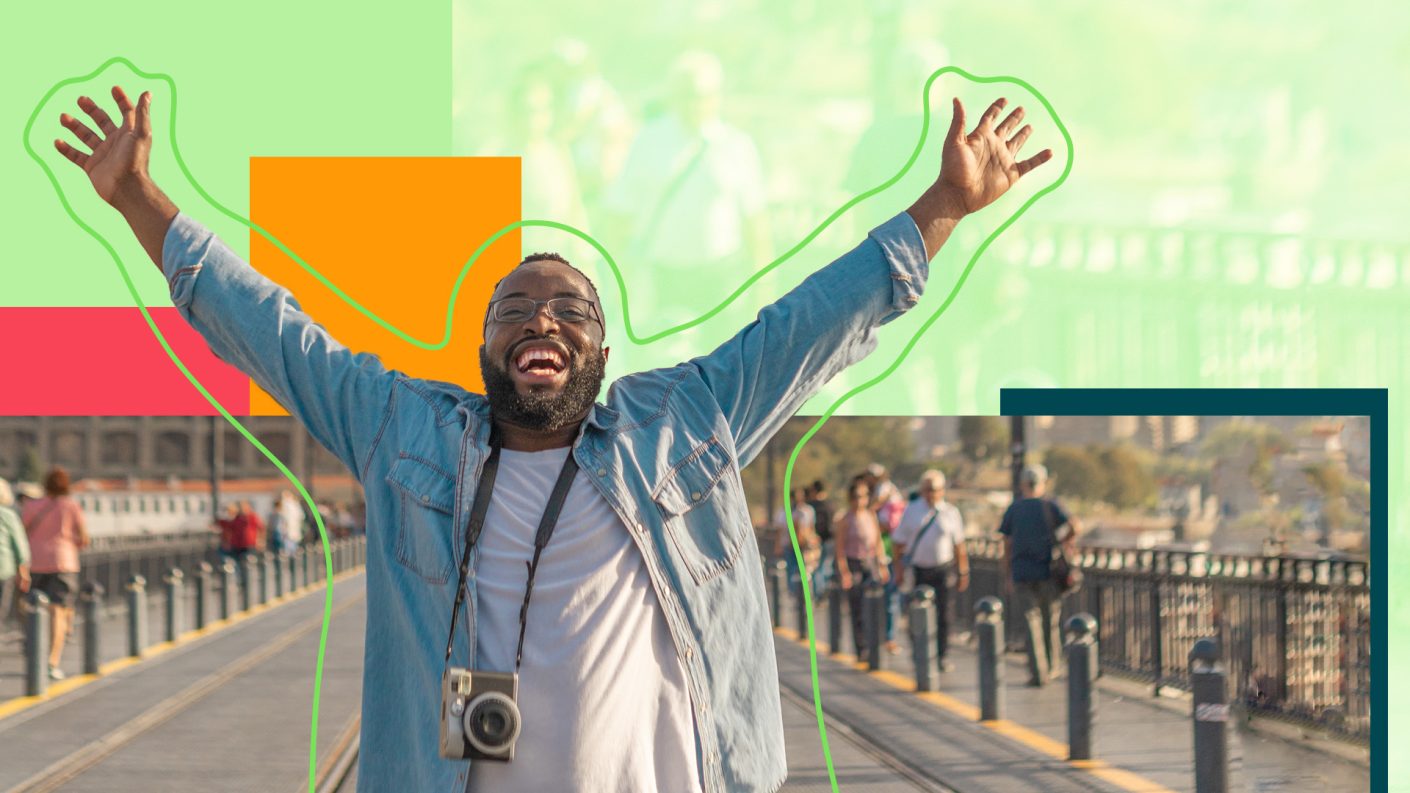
(979, 167)
(118, 152)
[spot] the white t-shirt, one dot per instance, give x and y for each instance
(937, 547)
(602, 692)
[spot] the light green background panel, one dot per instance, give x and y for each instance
(1234, 217)
(253, 78)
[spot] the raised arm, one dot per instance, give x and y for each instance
(771, 367)
(248, 320)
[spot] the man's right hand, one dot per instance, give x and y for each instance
(118, 161)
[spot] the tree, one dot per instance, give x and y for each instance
(983, 437)
(1262, 441)
(1076, 472)
(30, 470)
(1129, 479)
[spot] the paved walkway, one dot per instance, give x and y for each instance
(1140, 743)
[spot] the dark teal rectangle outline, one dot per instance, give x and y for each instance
(1370, 402)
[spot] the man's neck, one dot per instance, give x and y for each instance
(523, 439)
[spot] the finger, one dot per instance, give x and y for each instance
(1017, 141)
(124, 104)
(957, 121)
(75, 156)
(98, 114)
(144, 114)
(1034, 161)
(1007, 128)
(88, 136)
(987, 120)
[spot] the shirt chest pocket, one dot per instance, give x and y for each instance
(701, 502)
(425, 518)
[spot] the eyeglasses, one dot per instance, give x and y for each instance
(522, 309)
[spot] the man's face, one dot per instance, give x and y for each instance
(543, 372)
(932, 493)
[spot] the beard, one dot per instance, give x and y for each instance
(544, 410)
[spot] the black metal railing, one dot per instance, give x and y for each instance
(1294, 633)
(114, 565)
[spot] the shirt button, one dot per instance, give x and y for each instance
(602, 472)
(695, 496)
(689, 652)
(425, 499)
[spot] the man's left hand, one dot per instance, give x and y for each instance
(977, 168)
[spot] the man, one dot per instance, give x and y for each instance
(804, 526)
(646, 658)
(931, 540)
(1030, 528)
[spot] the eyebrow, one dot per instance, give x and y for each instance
(578, 295)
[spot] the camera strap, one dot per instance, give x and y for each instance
(476, 524)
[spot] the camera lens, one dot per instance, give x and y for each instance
(491, 723)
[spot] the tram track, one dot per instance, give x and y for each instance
(77, 763)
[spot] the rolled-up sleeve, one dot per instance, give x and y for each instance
(259, 328)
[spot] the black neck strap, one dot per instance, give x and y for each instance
(476, 524)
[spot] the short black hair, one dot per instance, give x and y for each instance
(552, 256)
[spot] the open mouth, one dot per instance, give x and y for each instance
(540, 362)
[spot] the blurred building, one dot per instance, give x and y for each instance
(159, 447)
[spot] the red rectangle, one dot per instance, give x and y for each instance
(106, 362)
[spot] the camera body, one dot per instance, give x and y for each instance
(479, 715)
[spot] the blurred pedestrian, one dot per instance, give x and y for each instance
(1030, 528)
(889, 503)
(14, 554)
(860, 557)
(56, 534)
(930, 540)
(289, 516)
(816, 496)
(803, 525)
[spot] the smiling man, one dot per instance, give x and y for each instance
(601, 551)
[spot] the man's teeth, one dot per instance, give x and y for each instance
(540, 358)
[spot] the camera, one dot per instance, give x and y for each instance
(479, 715)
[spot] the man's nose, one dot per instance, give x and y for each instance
(542, 322)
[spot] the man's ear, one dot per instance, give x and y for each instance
(606, 351)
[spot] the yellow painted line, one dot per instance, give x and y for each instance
(62, 687)
(1118, 777)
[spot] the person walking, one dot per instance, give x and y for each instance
(14, 554)
(804, 521)
(1030, 529)
(930, 540)
(57, 533)
(860, 556)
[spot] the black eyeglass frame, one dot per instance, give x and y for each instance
(593, 313)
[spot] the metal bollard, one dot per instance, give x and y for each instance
(307, 562)
(1082, 659)
(874, 622)
(1211, 718)
(989, 625)
(174, 580)
(247, 582)
(293, 565)
(91, 598)
(203, 587)
(136, 615)
(922, 620)
(36, 649)
(778, 581)
(835, 598)
(227, 589)
(266, 575)
(278, 562)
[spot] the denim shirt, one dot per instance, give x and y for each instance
(664, 449)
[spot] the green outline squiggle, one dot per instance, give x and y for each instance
(626, 318)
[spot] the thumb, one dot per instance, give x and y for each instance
(957, 121)
(144, 114)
